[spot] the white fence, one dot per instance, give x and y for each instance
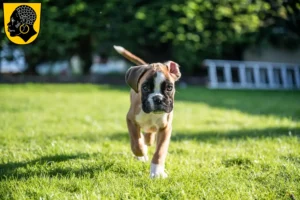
(253, 75)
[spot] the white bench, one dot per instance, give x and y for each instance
(253, 75)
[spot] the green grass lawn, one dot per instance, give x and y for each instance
(71, 142)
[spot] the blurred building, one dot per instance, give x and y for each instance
(104, 65)
(272, 54)
(12, 61)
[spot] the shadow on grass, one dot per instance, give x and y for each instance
(48, 166)
(8, 169)
(215, 137)
(201, 136)
(59, 166)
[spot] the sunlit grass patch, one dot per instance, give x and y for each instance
(71, 142)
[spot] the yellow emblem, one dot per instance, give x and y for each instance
(22, 21)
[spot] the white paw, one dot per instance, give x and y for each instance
(142, 158)
(157, 171)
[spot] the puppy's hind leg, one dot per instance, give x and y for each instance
(150, 138)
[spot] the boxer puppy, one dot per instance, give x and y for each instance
(151, 108)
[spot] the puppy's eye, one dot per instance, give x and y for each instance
(145, 88)
(169, 87)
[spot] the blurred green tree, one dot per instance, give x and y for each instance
(185, 31)
(281, 24)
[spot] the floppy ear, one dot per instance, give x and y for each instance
(173, 69)
(134, 74)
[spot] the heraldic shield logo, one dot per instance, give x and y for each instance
(22, 21)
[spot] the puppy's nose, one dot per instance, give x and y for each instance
(157, 99)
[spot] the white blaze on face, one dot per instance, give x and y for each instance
(160, 77)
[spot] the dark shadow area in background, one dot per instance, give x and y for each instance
(110, 79)
(200, 136)
(215, 137)
(254, 102)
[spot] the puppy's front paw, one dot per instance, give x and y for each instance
(157, 171)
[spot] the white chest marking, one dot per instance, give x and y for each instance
(151, 122)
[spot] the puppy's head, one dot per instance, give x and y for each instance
(155, 84)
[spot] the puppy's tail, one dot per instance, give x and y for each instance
(133, 58)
